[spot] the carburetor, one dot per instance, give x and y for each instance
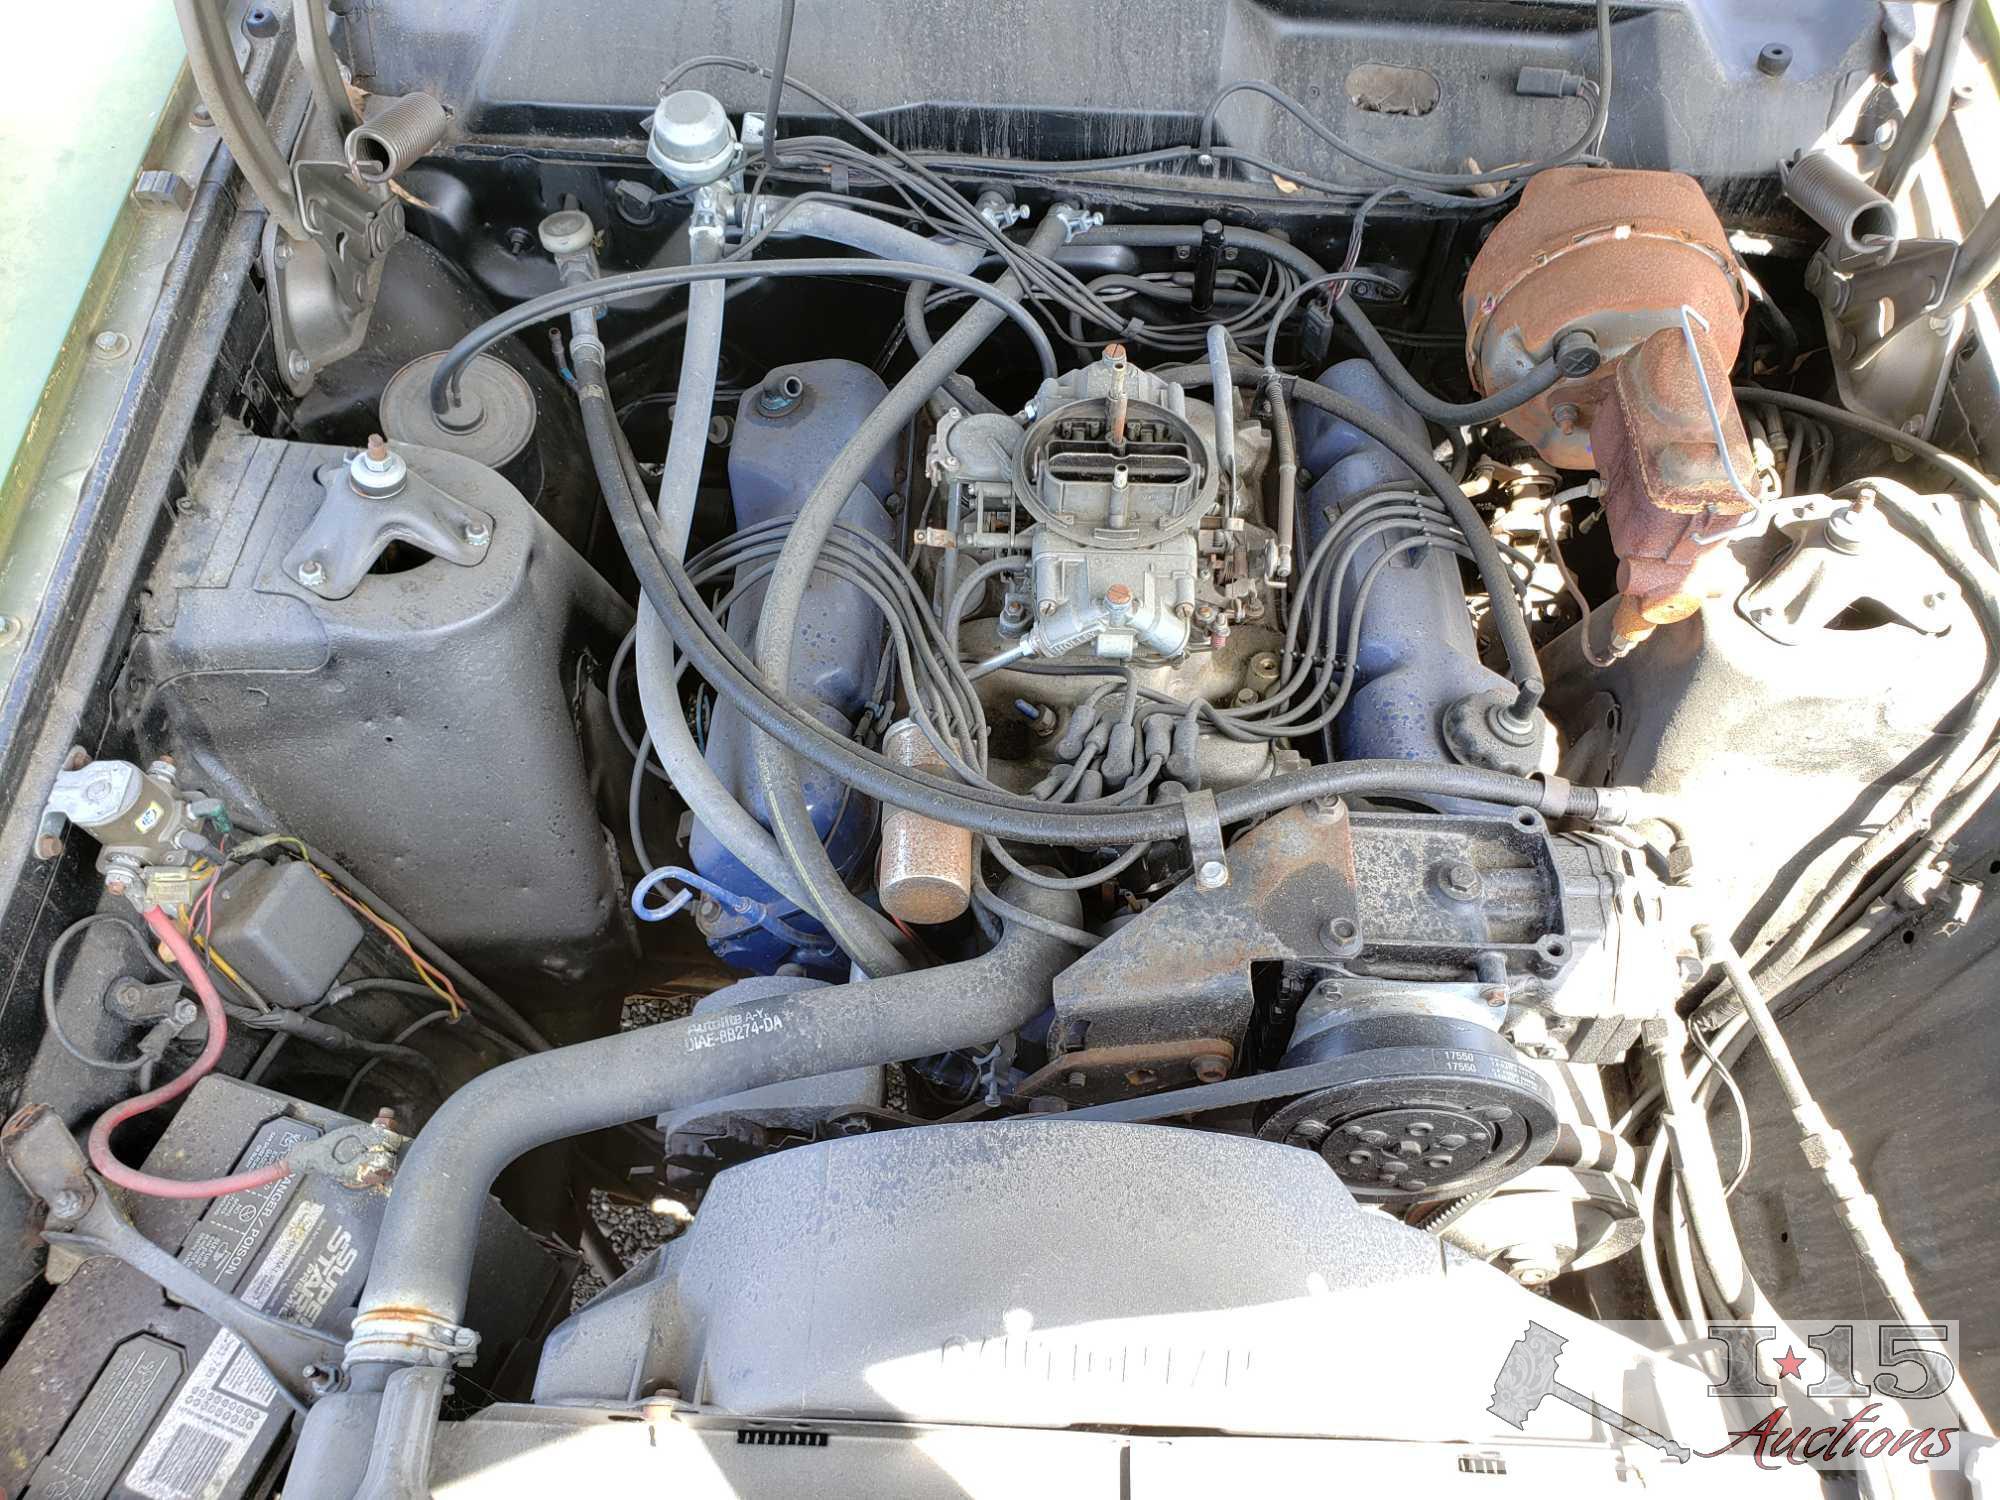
(1118, 485)
(1144, 541)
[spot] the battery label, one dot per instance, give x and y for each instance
(114, 1416)
(207, 1431)
(220, 1412)
(233, 1229)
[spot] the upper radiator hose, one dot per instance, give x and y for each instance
(416, 1290)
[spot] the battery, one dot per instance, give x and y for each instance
(119, 1391)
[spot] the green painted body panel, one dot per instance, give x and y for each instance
(81, 87)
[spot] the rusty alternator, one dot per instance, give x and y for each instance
(1624, 278)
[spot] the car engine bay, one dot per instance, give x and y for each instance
(970, 744)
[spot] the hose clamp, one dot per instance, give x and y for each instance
(407, 1336)
(1076, 221)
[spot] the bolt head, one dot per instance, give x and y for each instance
(1213, 873)
(110, 343)
(1459, 878)
(66, 1204)
(476, 533)
(299, 365)
(312, 573)
(1533, 1264)
(1208, 1068)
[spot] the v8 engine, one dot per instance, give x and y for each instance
(1009, 785)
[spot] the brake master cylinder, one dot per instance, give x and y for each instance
(1627, 280)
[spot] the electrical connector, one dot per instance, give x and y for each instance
(1549, 83)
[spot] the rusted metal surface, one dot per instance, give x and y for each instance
(1664, 478)
(1620, 254)
(924, 871)
(1098, 1075)
(1183, 966)
(1617, 253)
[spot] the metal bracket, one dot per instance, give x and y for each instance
(1098, 1075)
(327, 234)
(138, 1003)
(336, 551)
(45, 1158)
(940, 461)
(323, 287)
(1891, 354)
(1205, 851)
(1843, 552)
